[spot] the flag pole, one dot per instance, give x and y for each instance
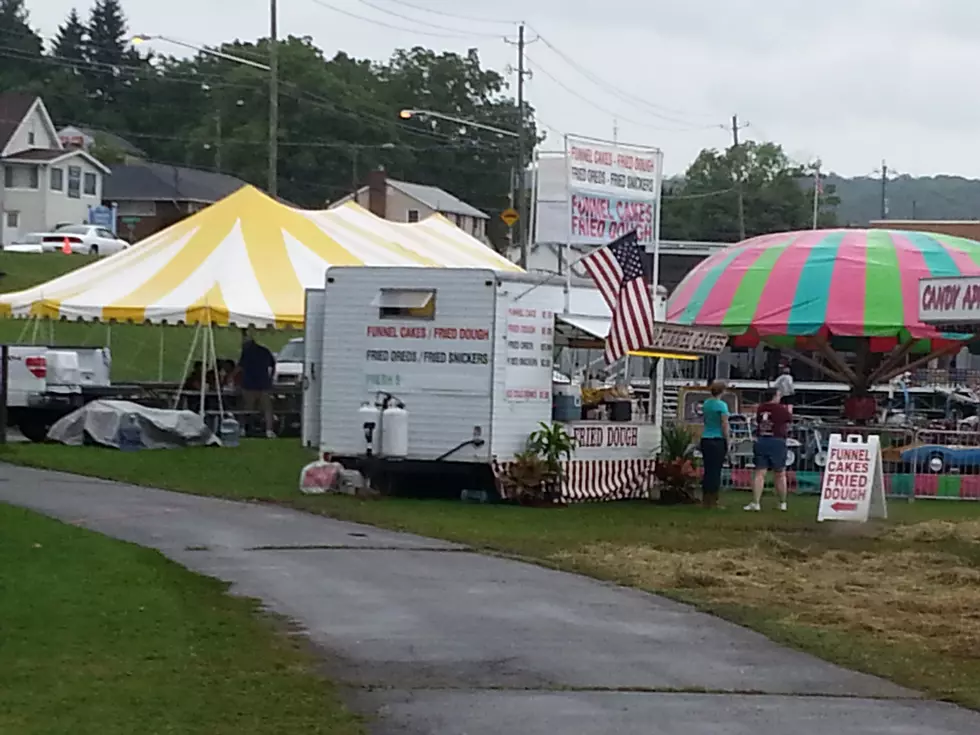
(816, 194)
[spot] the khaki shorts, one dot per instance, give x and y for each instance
(257, 400)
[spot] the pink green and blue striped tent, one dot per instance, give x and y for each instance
(838, 284)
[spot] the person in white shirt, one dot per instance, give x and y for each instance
(784, 387)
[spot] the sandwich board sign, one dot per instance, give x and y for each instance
(853, 487)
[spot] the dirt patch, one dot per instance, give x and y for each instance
(920, 595)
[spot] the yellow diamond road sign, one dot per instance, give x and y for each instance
(510, 216)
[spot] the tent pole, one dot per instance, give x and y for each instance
(163, 334)
(23, 332)
(108, 335)
(204, 367)
(187, 366)
(34, 331)
(217, 384)
(51, 331)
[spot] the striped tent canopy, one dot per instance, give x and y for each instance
(246, 260)
(841, 285)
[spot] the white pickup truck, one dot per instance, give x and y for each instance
(46, 383)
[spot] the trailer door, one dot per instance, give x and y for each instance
(314, 317)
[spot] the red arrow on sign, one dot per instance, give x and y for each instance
(844, 506)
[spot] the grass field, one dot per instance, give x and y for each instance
(136, 348)
(900, 599)
(106, 638)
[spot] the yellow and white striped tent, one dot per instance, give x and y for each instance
(245, 260)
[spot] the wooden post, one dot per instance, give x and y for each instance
(5, 362)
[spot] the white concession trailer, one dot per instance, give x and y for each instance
(447, 371)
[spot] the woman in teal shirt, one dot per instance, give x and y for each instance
(714, 444)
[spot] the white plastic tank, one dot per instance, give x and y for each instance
(369, 414)
(394, 438)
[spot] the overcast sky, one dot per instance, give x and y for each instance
(849, 81)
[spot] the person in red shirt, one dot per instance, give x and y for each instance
(773, 420)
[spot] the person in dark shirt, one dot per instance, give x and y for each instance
(773, 420)
(256, 367)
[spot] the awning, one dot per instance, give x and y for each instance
(671, 341)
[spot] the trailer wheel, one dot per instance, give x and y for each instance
(34, 428)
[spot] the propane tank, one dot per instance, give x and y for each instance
(394, 437)
(370, 416)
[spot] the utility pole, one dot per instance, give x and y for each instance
(273, 99)
(353, 172)
(217, 140)
(741, 195)
(884, 189)
(816, 195)
(521, 153)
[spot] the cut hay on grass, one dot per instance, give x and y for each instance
(927, 598)
(932, 531)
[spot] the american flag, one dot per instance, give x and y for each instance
(617, 270)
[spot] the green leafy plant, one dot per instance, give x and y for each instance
(676, 467)
(534, 476)
(552, 443)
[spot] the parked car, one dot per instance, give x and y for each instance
(289, 363)
(83, 239)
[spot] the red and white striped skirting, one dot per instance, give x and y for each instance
(602, 479)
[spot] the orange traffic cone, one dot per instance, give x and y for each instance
(66, 247)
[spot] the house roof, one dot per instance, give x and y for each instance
(36, 154)
(53, 155)
(154, 182)
(438, 199)
(14, 107)
(111, 139)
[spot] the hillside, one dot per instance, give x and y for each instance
(927, 197)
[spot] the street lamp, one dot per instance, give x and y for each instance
(521, 232)
(272, 68)
(409, 114)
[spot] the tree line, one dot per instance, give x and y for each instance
(338, 119)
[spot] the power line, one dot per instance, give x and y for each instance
(422, 22)
(603, 109)
(382, 24)
(446, 14)
(665, 113)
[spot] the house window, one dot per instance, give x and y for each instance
(90, 185)
(74, 181)
(413, 215)
(13, 220)
(30, 138)
(33, 177)
(400, 303)
(57, 179)
(8, 177)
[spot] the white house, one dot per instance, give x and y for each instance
(43, 183)
(400, 201)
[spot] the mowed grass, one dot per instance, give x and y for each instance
(136, 348)
(103, 637)
(899, 598)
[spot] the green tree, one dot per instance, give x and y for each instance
(777, 195)
(70, 42)
(21, 56)
(108, 56)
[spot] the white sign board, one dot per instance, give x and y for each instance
(612, 439)
(597, 191)
(949, 300)
(680, 338)
(530, 336)
(853, 487)
(453, 357)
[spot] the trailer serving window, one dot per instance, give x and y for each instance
(401, 303)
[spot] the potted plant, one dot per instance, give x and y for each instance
(535, 475)
(676, 467)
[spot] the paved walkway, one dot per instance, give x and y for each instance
(435, 639)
